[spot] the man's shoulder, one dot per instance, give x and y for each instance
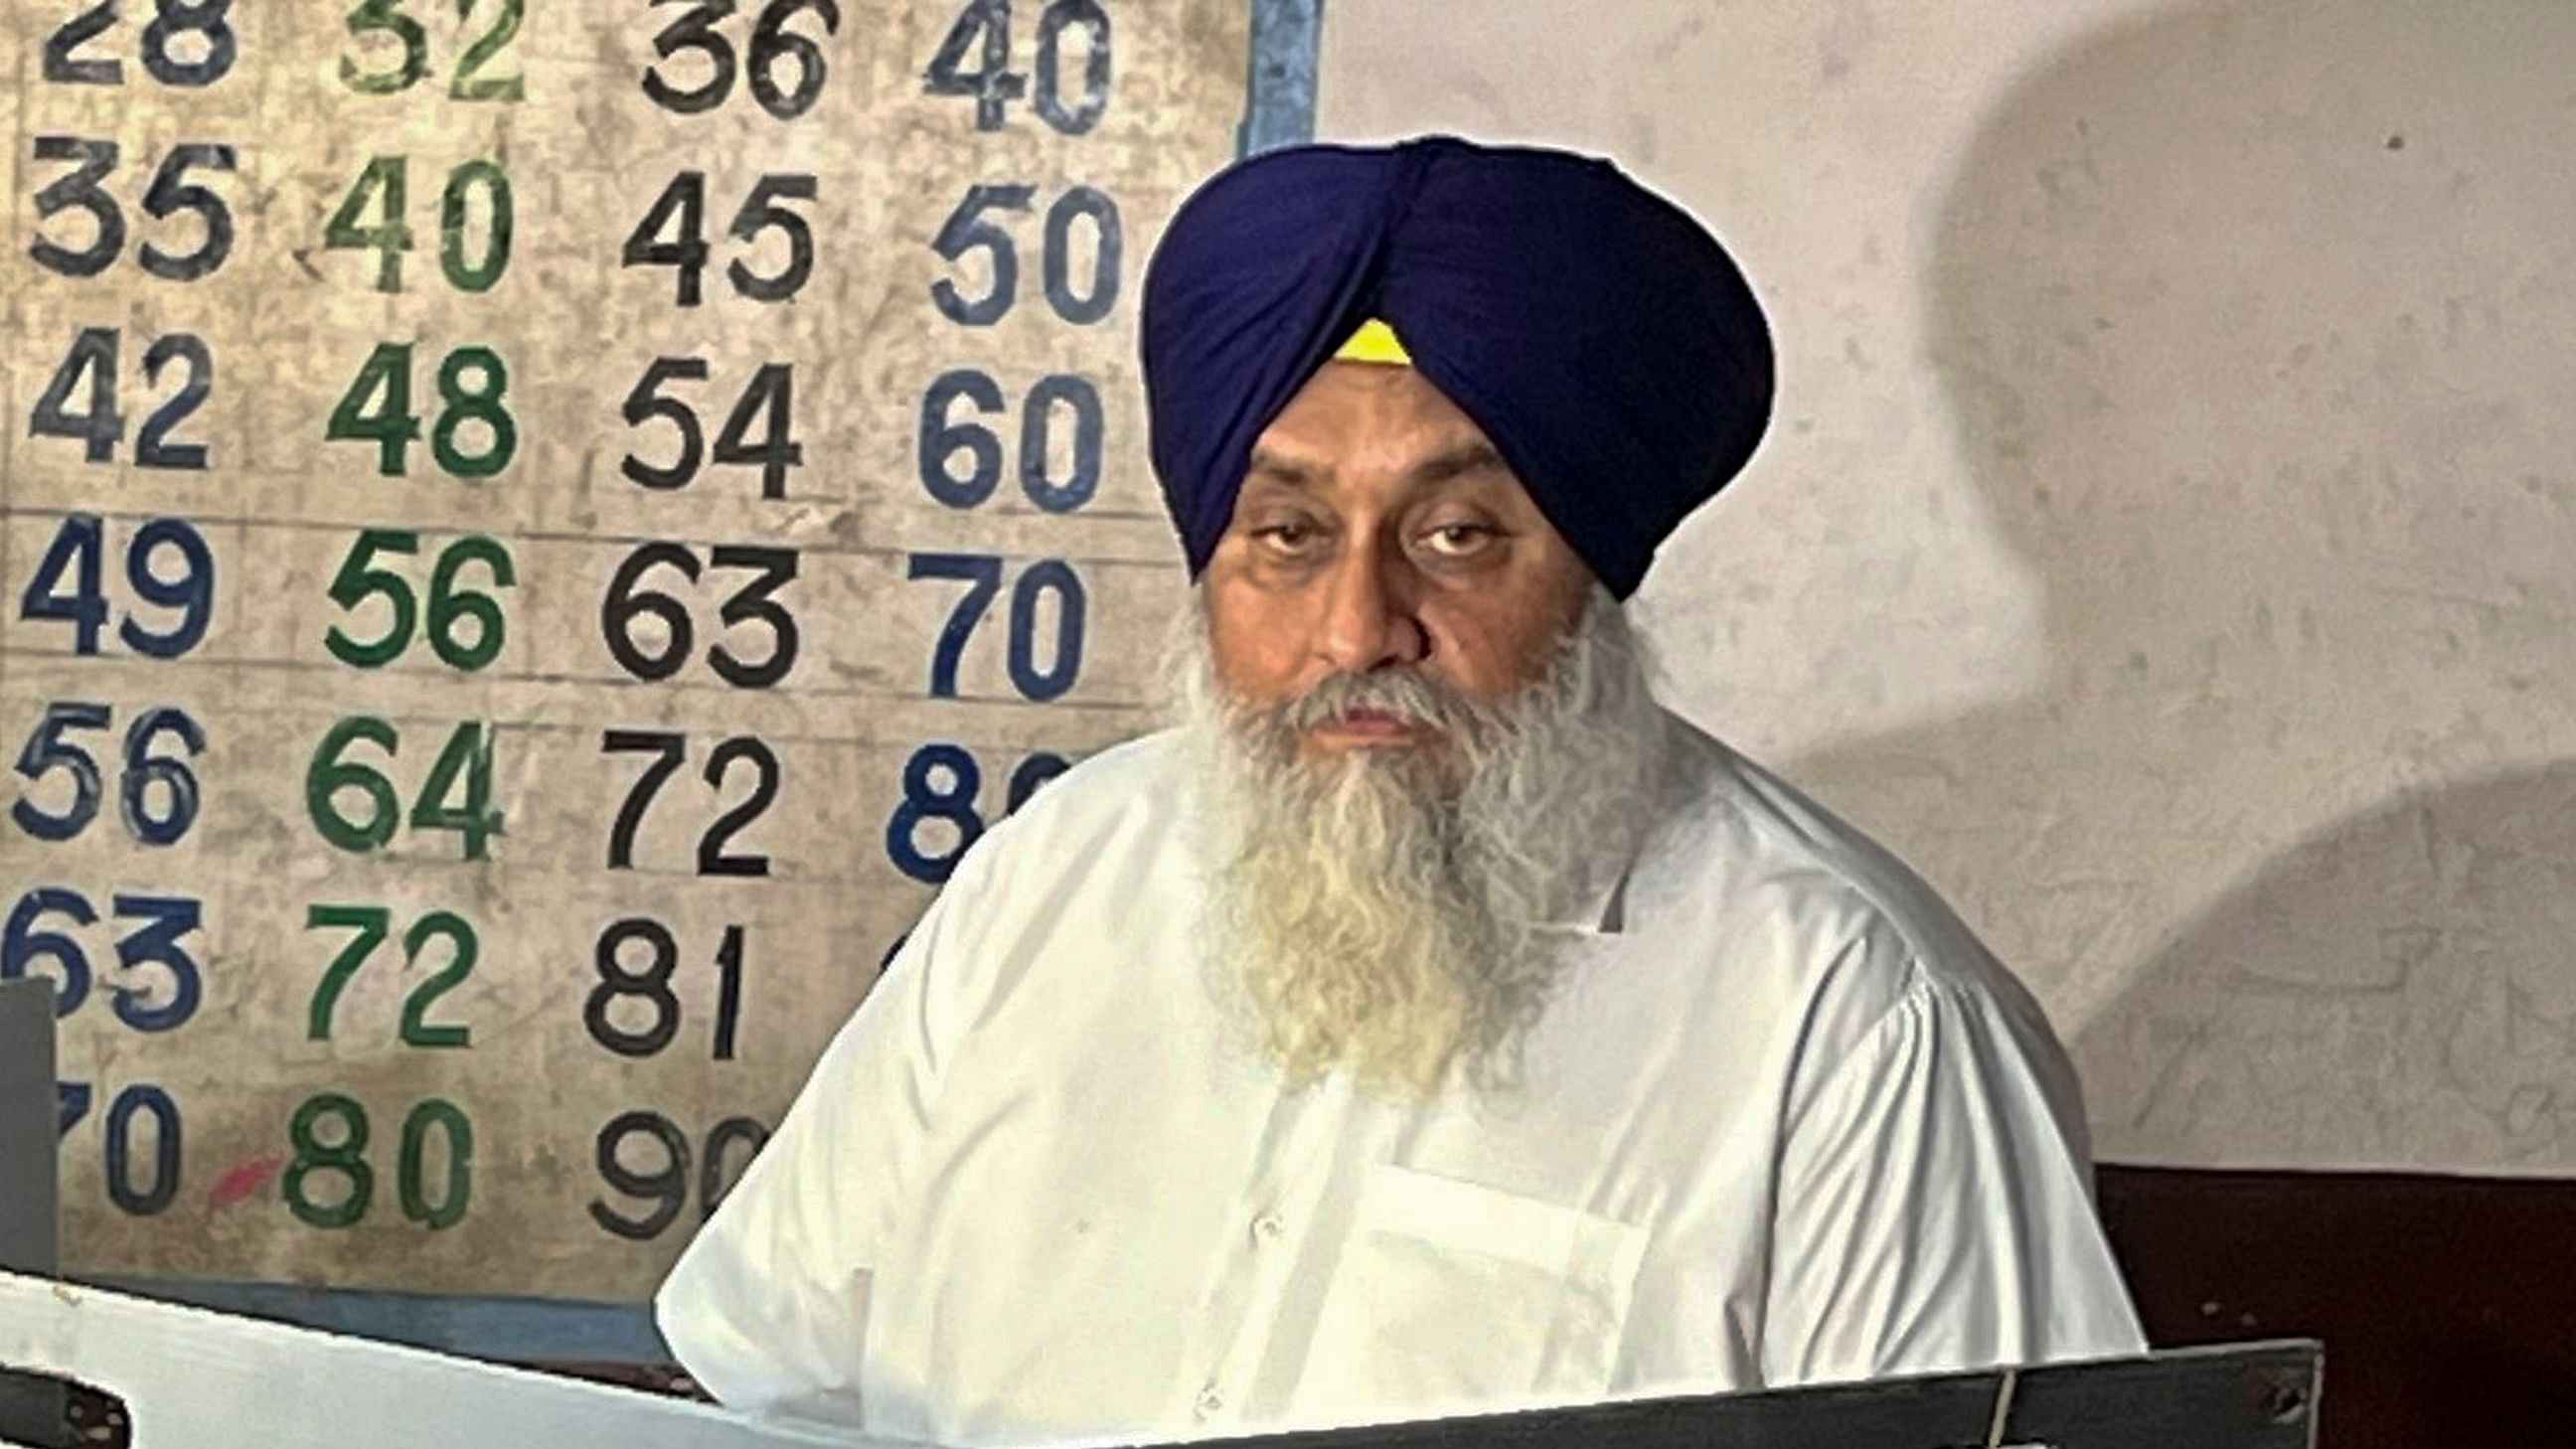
(1090, 844)
(1865, 927)
(1134, 789)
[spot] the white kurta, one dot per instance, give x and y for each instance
(1785, 1121)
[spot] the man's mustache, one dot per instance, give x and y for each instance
(1407, 695)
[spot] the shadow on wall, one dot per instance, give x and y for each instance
(2259, 322)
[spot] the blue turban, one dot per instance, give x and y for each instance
(1600, 337)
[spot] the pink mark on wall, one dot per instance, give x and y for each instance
(245, 1180)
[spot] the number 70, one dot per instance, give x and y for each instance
(982, 574)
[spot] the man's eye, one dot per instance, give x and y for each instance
(1458, 539)
(1288, 537)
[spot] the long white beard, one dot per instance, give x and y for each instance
(1402, 913)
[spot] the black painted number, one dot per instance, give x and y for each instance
(64, 68)
(80, 401)
(668, 750)
(170, 191)
(681, 211)
(666, 1186)
(650, 633)
(651, 984)
(771, 44)
(768, 403)
(186, 43)
(211, 43)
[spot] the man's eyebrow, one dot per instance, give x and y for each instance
(1471, 457)
(1283, 470)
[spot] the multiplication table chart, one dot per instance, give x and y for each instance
(533, 533)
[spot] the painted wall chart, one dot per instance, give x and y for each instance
(532, 535)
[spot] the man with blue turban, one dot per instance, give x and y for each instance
(1428, 1023)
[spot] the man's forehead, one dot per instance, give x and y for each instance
(1291, 465)
(1366, 416)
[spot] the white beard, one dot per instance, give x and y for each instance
(1402, 913)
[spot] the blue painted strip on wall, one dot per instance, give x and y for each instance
(1279, 110)
(502, 1329)
(1280, 105)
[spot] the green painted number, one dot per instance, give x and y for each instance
(389, 238)
(377, 407)
(356, 582)
(473, 383)
(450, 603)
(463, 769)
(386, 16)
(481, 404)
(475, 276)
(417, 1030)
(382, 191)
(468, 86)
(328, 775)
(449, 1209)
(344, 1158)
(347, 1159)
(456, 796)
(372, 924)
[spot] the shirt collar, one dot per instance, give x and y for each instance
(1603, 910)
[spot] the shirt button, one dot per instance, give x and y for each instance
(1266, 1226)
(1211, 1403)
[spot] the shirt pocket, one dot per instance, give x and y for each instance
(1455, 1298)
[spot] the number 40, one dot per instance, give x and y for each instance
(993, 83)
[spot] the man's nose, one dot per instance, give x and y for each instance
(1370, 621)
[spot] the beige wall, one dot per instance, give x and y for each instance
(2166, 537)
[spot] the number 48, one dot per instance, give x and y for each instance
(377, 408)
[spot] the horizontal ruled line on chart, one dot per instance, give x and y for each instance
(484, 678)
(892, 741)
(800, 544)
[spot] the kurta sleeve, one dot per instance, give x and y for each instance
(1934, 1206)
(768, 1307)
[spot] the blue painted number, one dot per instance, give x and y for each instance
(982, 573)
(75, 551)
